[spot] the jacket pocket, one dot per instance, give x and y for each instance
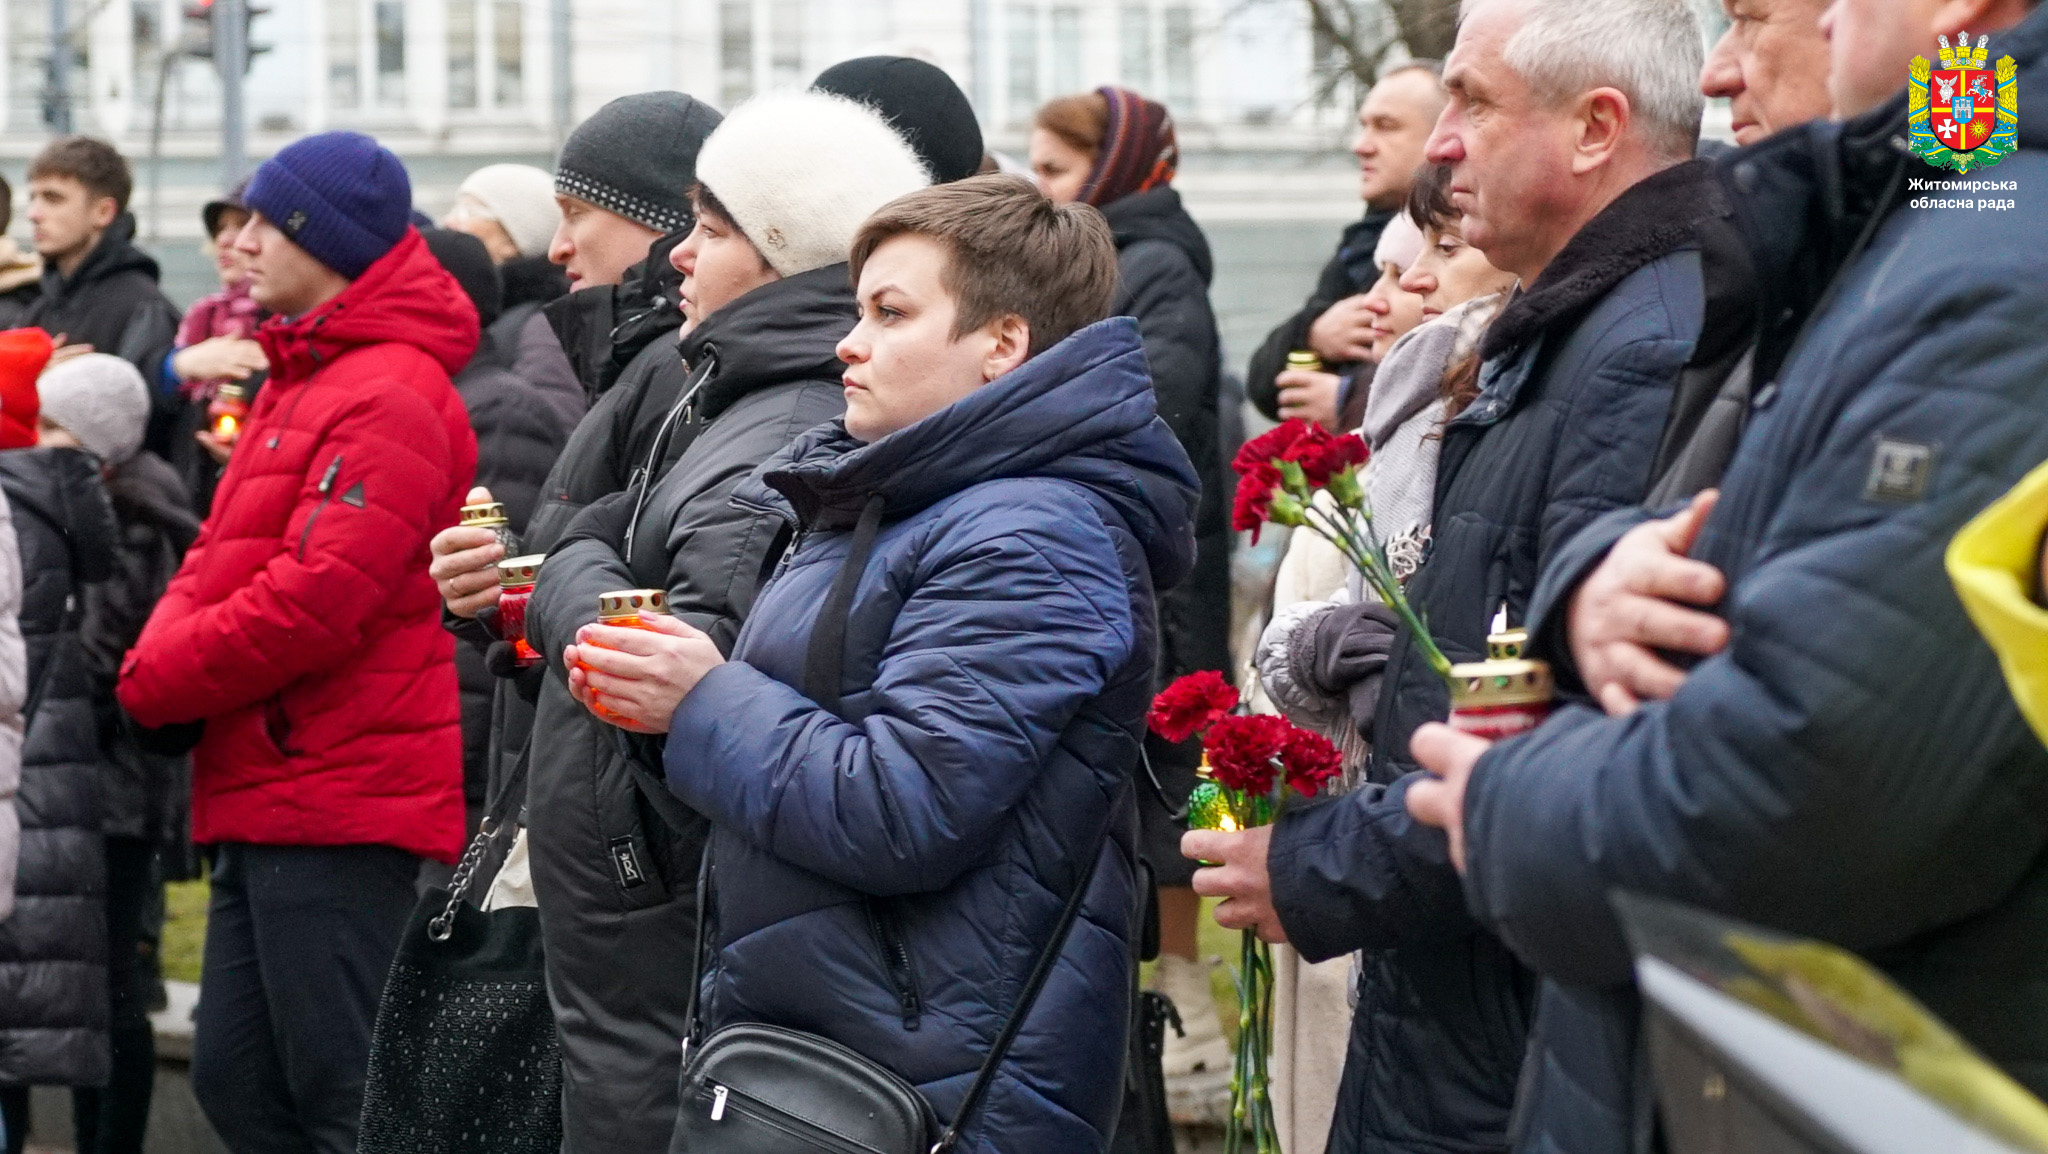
(277, 726)
(886, 922)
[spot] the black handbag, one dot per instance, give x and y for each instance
(463, 1056)
(759, 1089)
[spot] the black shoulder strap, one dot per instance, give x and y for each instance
(825, 660)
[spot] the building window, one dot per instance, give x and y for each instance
(344, 53)
(1066, 51)
(462, 53)
(786, 43)
(1180, 58)
(1023, 71)
(735, 51)
(390, 52)
(1135, 44)
(508, 52)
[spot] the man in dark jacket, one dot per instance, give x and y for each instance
(1800, 775)
(99, 291)
(1576, 386)
(1393, 125)
(53, 1021)
(303, 631)
(99, 403)
(523, 400)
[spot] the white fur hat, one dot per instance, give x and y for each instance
(522, 199)
(101, 399)
(800, 171)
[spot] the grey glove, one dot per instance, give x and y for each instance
(1345, 655)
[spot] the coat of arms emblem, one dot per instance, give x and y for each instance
(1962, 115)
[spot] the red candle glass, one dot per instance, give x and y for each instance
(1505, 695)
(227, 412)
(516, 579)
(625, 609)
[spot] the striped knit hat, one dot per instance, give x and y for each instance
(637, 158)
(1138, 149)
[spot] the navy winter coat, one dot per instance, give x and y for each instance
(886, 877)
(1851, 766)
(1576, 387)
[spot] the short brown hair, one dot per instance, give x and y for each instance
(1429, 199)
(1010, 252)
(1080, 121)
(91, 162)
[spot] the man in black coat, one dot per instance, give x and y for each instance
(99, 292)
(1575, 390)
(1842, 760)
(1393, 124)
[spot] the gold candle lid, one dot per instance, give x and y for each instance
(520, 570)
(483, 515)
(231, 393)
(631, 603)
(1482, 684)
(1508, 645)
(1304, 359)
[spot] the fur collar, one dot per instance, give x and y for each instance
(1657, 217)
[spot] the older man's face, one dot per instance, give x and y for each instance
(1768, 66)
(1872, 43)
(1510, 155)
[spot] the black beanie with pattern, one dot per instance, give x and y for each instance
(637, 157)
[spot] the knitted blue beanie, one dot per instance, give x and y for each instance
(341, 196)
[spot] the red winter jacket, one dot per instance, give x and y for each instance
(303, 628)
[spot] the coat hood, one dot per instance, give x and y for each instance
(114, 254)
(1082, 411)
(1157, 214)
(404, 297)
(786, 330)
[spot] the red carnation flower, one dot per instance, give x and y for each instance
(1261, 451)
(1254, 502)
(1190, 705)
(1323, 456)
(1244, 752)
(1310, 762)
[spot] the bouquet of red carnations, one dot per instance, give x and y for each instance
(1280, 473)
(1249, 761)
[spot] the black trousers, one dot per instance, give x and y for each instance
(298, 942)
(114, 1120)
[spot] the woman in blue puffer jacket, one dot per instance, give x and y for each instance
(990, 525)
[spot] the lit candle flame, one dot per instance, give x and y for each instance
(225, 428)
(1227, 823)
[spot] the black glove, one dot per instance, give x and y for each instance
(1346, 655)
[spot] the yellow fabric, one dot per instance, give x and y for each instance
(1995, 563)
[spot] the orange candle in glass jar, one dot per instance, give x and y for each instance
(625, 609)
(225, 415)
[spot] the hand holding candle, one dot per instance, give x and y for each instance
(633, 670)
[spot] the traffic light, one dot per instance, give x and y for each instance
(202, 32)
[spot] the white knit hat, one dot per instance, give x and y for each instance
(522, 199)
(101, 400)
(800, 171)
(1400, 243)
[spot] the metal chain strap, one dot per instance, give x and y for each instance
(444, 924)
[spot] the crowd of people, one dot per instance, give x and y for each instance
(909, 466)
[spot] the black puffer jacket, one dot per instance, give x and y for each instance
(112, 302)
(616, 884)
(1577, 385)
(523, 401)
(1851, 767)
(142, 794)
(1164, 269)
(53, 950)
(1349, 273)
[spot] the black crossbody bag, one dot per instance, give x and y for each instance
(760, 1089)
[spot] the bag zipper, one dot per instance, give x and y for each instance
(738, 1103)
(326, 495)
(896, 959)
